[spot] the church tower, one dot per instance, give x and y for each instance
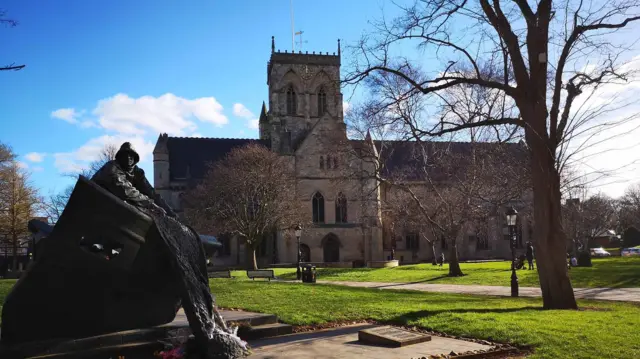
(304, 88)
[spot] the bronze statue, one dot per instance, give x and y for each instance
(127, 181)
(161, 267)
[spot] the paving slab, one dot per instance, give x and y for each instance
(228, 315)
(609, 294)
(343, 342)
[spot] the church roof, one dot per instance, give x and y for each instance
(191, 155)
(405, 157)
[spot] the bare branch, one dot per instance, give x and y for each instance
(10, 23)
(12, 67)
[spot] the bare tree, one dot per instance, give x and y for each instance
(55, 203)
(402, 214)
(535, 55)
(6, 154)
(250, 193)
(19, 203)
(10, 23)
(107, 154)
(589, 218)
(629, 208)
(442, 187)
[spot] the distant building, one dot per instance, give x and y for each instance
(605, 238)
(305, 107)
(23, 250)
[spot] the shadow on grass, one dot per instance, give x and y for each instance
(416, 282)
(417, 315)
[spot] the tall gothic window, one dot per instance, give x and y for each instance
(482, 238)
(413, 241)
(292, 104)
(318, 208)
(341, 208)
(262, 247)
(225, 240)
(322, 102)
(321, 162)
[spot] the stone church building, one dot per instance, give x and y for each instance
(302, 121)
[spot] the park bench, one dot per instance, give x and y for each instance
(261, 273)
(219, 274)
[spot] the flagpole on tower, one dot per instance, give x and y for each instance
(293, 35)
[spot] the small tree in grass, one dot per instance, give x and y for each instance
(250, 193)
(19, 202)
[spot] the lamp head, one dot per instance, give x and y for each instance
(512, 216)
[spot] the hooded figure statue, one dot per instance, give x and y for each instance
(212, 337)
(127, 181)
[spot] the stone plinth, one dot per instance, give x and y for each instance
(391, 337)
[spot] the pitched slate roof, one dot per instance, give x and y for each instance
(193, 154)
(405, 156)
(190, 156)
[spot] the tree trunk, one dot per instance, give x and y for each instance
(549, 237)
(454, 264)
(14, 249)
(252, 263)
(434, 261)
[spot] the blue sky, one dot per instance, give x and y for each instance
(165, 62)
(121, 70)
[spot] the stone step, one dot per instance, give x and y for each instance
(254, 325)
(140, 350)
(265, 331)
(254, 320)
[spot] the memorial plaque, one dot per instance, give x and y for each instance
(391, 336)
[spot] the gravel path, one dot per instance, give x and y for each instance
(613, 294)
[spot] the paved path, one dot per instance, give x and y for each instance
(614, 294)
(343, 342)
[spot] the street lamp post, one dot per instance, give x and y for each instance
(512, 216)
(298, 231)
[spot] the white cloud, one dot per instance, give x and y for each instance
(88, 124)
(77, 160)
(37, 169)
(606, 148)
(67, 114)
(34, 156)
(240, 110)
(22, 165)
(167, 113)
(345, 106)
(253, 124)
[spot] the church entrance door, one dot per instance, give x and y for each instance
(306, 253)
(331, 249)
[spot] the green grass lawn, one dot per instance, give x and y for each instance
(606, 272)
(600, 330)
